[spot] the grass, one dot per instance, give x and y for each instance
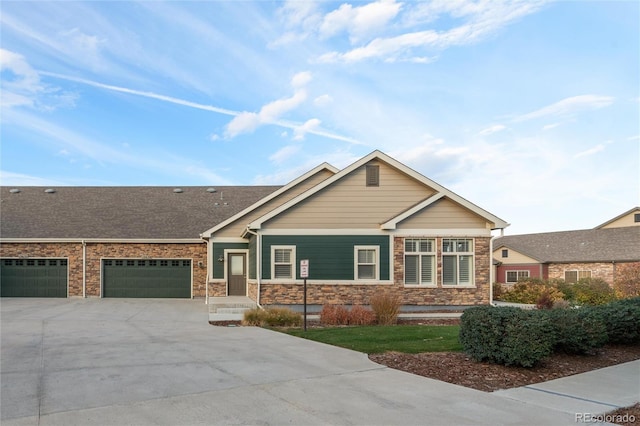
(410, 339)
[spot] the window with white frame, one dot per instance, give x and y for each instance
(283, 260)
(572, 277)
(419, 261)
(367, 262)
(515, 276)
(457, 261)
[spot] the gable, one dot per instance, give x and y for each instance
(514, 257)
(348, 203)
(444, 214)
(627, 218)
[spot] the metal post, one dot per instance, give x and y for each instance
(304, 301)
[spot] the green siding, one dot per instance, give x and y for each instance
(330, 256)
(253, 246)
(218, 250)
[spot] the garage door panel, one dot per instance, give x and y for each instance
(147, 278)
(33, 278)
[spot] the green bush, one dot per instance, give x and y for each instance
(531, 290)
(386, 306)
(506, 335)
(593, 291)
(577, 331)
(621, 320)
(272, 317)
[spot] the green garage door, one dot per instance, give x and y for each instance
(147, 278)
(33, 278)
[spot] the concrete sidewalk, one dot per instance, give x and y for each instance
(594, 392)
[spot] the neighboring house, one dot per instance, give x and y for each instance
(570, 255)
(376, 225)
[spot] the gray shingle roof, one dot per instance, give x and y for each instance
(142, 212)
(589, 245)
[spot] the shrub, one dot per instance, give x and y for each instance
(529, 290)
(593, 291)
(498, 291)
(566, 289)
(272, 317)
(561, 304)
(359, 315)
(386, 307)
(506, 335)
(577, 331)
(334, 315)
(545, 301)
(627, 282)
(621, 320)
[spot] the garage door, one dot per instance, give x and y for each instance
(147, 278)
(33, 277)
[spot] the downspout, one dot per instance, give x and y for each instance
(84, 269)
(491, 272)
(206, 279)
(258, 262)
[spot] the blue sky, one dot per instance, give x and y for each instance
(529, 109)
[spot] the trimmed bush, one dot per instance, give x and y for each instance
(577, 331)
(386, 307)
(621, 320)
(506, 335)
(530, 290)
(359, 315)
(593, 291)
(334, 315)
(272, 317)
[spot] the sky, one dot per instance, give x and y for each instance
(529, 109)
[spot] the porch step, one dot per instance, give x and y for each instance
(223, 309)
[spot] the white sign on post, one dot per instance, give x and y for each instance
(304, 268)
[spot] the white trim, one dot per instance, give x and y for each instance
(330, 282)
(377, 155)
(229, 240)
(517, 271)
(294, 263)
(393, 223)
(419, 233)
(444, 232)
(324, 166)
(457, 254)
(226, 254)
(376, 249)
(419, 254)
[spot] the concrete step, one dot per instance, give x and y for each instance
(236, 310)
(225, 317)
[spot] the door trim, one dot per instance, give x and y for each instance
(227, 253)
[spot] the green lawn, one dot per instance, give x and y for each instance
(378, 339)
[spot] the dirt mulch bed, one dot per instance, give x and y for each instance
(459, 369)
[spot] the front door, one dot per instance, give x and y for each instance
(237, 274)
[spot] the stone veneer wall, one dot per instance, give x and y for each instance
(606, 271)
(197, 252)
(348, 293)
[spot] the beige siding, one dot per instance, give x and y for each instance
(349, 203)
(624, 221)
(443, 214)
(514, 258)
(236, 228)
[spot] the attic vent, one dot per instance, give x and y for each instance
(211, 190)
(14, 190)
(50, 191)
(373, 175)
(178, 190)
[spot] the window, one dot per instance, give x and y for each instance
(373, 175)
(515, 276)
(366, 262)
(572, 277)
(283, 262)
(457, 261)
(419, 261)
(636, 217)
(505, 253)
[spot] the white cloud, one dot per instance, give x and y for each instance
(590, 151)
(568, 106)
(492, 129)
(300, 132)
(359, 21)
(301, 79)
(481, 20)
(550, 126)
(284, 154)
(323, 100)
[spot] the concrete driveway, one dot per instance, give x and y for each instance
(116, 362)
